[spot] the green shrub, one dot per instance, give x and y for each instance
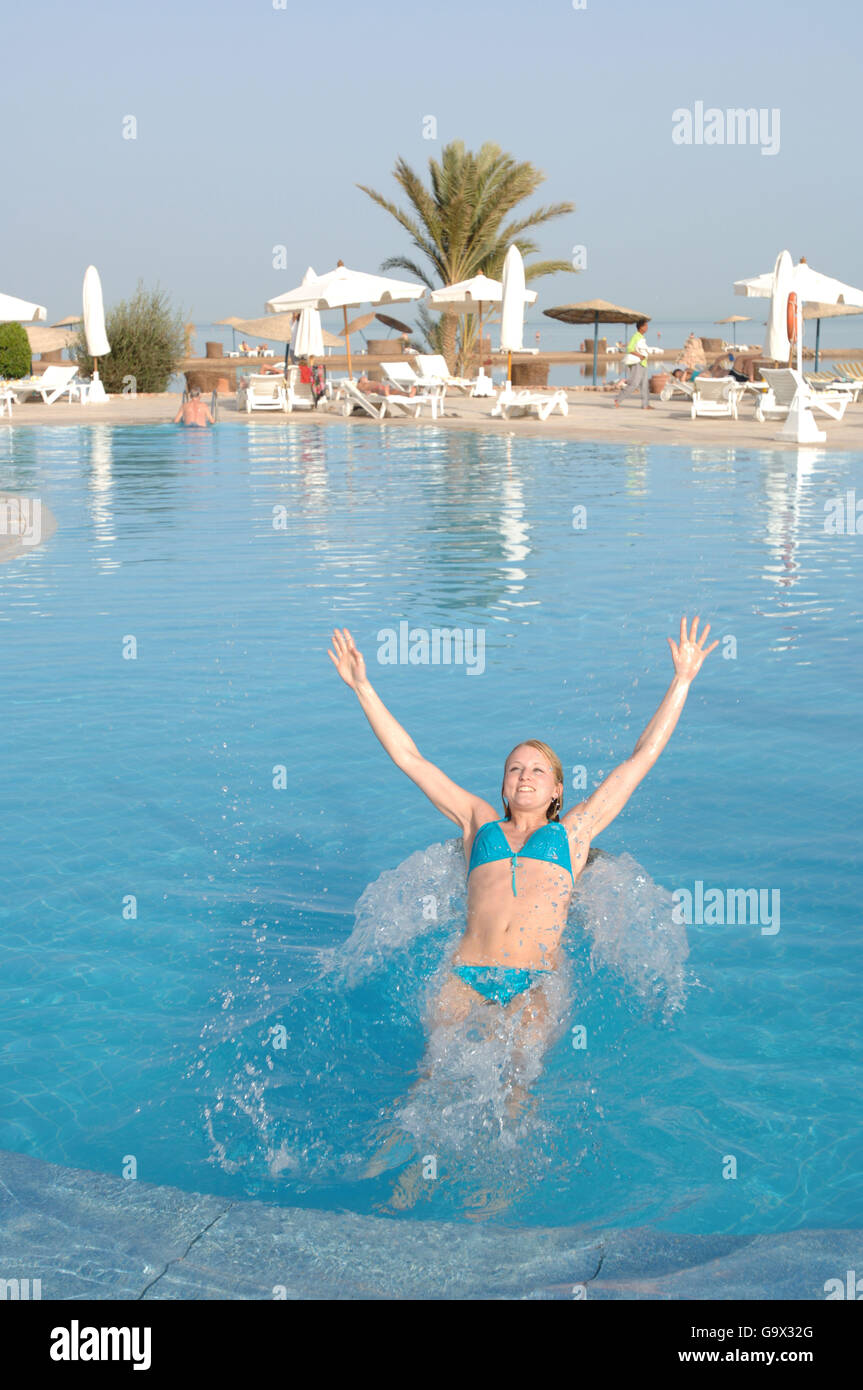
(147, 344)
(15, 357)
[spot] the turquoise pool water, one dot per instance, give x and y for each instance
(243, 1026)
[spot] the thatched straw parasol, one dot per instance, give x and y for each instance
(595, 311)
(44, 339)
(735, 319)
(279, 327)
(393, 323)
(357, 325)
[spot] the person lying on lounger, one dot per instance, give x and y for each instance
(722, 367)
(384, 388)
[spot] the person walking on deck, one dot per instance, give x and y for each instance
(636, 357)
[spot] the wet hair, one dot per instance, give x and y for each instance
(554, 807)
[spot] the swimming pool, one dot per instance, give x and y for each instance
(191, 818)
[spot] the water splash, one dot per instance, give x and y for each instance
(423, 897)
(372, 1090)
(629, 921)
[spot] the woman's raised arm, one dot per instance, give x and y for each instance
(452, 800)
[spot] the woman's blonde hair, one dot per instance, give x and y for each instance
(554, 807)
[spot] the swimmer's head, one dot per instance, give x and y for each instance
(533, 780)
(194, 392)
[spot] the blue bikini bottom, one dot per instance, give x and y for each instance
(497, 983)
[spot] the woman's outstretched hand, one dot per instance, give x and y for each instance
(347, 660)
(689, 652)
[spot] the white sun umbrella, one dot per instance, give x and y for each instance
(512, 308)
(777, 343)
(345, 289)
(809, 286)
(471, 296)
(14, 310)
(94, 328)
(308, 339)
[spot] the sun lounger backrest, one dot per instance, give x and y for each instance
(56, 376)
(434, 364)
(711, 388)
(402, 373)
(782, 382)
(266, 384)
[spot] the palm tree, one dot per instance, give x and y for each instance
(458, 225)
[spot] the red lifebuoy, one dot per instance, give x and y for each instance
(791, 318)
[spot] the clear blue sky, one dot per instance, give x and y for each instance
(254, 124)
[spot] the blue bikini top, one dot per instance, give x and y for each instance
(549, 843)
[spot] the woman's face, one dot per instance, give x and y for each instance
(529, 783)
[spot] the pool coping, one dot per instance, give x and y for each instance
(592, 419)
(88, 1235)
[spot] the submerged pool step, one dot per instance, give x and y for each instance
(89, 1235)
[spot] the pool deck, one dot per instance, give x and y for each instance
(592, 416)
(91, 1236)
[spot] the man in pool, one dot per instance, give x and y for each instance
(522, 868)
(194, 411)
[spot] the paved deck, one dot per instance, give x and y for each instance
(592, 416)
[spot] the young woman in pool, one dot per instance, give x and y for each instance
(521, 868)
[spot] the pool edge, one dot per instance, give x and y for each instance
(86, 1235)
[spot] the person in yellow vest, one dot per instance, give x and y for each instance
(636, 361)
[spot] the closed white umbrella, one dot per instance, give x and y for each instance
(512, 307)
(14, 310)
(345, 289)
(777, 343)
(308, 339)
(94, 328)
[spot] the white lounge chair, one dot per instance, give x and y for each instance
(54, 382)
(825, 381)
(263, 391)
(351, 398)
(530, 403)
(7, 399)
(433, 366)
(676, 387)
(300, 393)
(784, 384)
(429, 391)
(712, 396)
